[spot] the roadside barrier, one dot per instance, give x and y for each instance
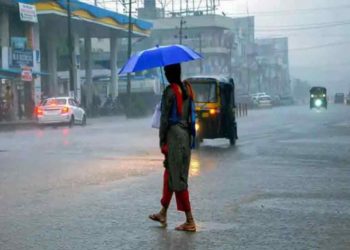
(241, 109)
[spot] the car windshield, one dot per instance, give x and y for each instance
(265, 98)
(54, 102)
(204, 91)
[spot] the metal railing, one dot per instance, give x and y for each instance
(241, 109)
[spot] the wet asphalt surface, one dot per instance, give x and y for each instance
(284, 186)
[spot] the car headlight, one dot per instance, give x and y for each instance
(312, 96)
(197, 126)
(324, 95)
(318, 103)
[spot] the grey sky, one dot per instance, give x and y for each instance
(318, 55)
(323, 64)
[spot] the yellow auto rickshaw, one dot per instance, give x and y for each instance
(215, 108)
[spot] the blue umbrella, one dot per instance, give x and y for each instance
(159, 56)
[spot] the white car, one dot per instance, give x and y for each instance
(257, 95)
(57, 110)
(264, 101)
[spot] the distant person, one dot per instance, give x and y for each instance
(8, 105)
(96, 103)
(175, 135)
(8, 97)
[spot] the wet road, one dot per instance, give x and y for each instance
(284, 186)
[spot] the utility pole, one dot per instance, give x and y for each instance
(200, 52)
(128, 86)
(182, 22)
(187, 10)
(180, 7)
(72, 87)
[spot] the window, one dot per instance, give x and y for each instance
(204, 91)
(72, 102)
(54, 101)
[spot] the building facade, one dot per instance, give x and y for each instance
(210, 35)
(20, 71)
(244, 57)
(273, 66)
(40, 49)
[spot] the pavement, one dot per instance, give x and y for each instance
(285, 185)
(19, 124)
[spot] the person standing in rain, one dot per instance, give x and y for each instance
(176, 134)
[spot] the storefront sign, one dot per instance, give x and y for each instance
(18, 42)
(27, 13)
(22, 58)
(27, 75)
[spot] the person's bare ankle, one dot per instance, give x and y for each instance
(163, 212)
(190, 220)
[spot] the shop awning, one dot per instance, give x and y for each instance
(6, 77)
(91, 14)
(6, 73)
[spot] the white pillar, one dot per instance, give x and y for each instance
(52, 62)
(113, 88)
(36, 63)
(88, 72)
(4, 38)
(76, 67)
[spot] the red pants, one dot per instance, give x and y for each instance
(182, 197)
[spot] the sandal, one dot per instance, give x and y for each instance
(158, 218)
(187, 227)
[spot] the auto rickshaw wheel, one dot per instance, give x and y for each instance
(232, 141)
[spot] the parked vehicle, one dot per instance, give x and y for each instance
(215, 108)
(264, 101)
(56, 110)
(286, 100)
(339, 98)
(318, 97)
(257, 95)
(276, 100)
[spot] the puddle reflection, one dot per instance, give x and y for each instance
(195, 166)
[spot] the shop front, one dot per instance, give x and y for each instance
(20, 77)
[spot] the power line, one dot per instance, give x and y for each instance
(317, 46)
(292, 11)
(324, 26)
(328, 65)
(306, 25)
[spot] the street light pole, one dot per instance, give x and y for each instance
(200, 52)
(70, 48)
(128, 86)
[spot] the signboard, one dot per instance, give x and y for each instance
(19, 42)
(26, 74)
(27, 13)
(22, 58)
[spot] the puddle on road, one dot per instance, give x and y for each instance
(113, 168)
(214, 226)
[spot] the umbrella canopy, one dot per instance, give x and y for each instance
(159, 56)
